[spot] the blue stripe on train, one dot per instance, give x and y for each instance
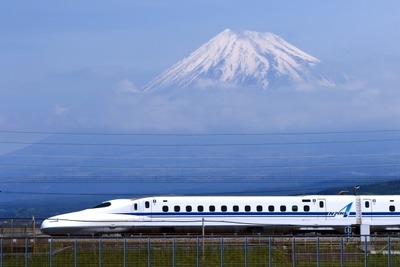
(263, 214)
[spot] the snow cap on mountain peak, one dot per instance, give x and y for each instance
(241, 58)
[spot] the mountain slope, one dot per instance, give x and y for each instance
(237, 59)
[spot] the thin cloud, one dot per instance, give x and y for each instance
(126, 87)
(60, 110)
(256, 110)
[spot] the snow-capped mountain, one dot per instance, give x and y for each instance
(237, 59)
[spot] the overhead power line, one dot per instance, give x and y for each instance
(192, 179)
(185, 167)
(202, 145)
(200, 134)
(137, 195)
(275, 157)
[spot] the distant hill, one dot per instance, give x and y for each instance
(41, 209)
(384, 188)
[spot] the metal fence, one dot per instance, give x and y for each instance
(19, 227)
(201, 251)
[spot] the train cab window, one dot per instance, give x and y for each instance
(247, 208)
(135, 206)
(102, 205)
(367, 204)
(188, 208)
(295, 208)
(259, 208)
(200, 208)
(321, 204)
(147, 204)
(212, 208)
(271, 208)
(165, 208)
(235, 208)
(306, 208)
(177, 208)
(224, 208)
(283, 208)
(392, 208)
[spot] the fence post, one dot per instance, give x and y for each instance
(270, 251)
(245, 252)
(173, 252)
(294, 250)
(51, 251)
(124, 252)
(365, 251)
(1, 252)
(222, 251)
(148, 252)
(318, 259)
(198, 252)
(341, 252)
(26, 252)
(75, 252)
(389, 253)
(100, 252)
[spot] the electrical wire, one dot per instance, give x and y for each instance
(201, 145)
(201, 134)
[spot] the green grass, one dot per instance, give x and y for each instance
(190, 252)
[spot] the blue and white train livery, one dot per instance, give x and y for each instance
(231, 214)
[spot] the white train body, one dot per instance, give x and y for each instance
(234, 214)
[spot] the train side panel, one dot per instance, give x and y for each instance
(227, 214)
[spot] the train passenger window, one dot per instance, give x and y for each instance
(295, 208)
(147, 204)
(259, 208)
(224, 208)
(236, 208)
(200, 208)
(283, 208)
(367, 204)
(321, 204)
(247, 208)
(135, 207)
(177, 208)
(165, 208)
(188, 208)
(212, 208)
(271, 208)
(392, 208)
(306, 208)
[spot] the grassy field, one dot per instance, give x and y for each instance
(196, 251)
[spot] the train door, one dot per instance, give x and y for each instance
(146, 210)
(136, 211)
(366, 210)
(321, 206)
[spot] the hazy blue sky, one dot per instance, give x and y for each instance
(76, 64)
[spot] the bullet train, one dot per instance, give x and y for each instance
(231, 214)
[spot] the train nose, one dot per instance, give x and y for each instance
(49, 225)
